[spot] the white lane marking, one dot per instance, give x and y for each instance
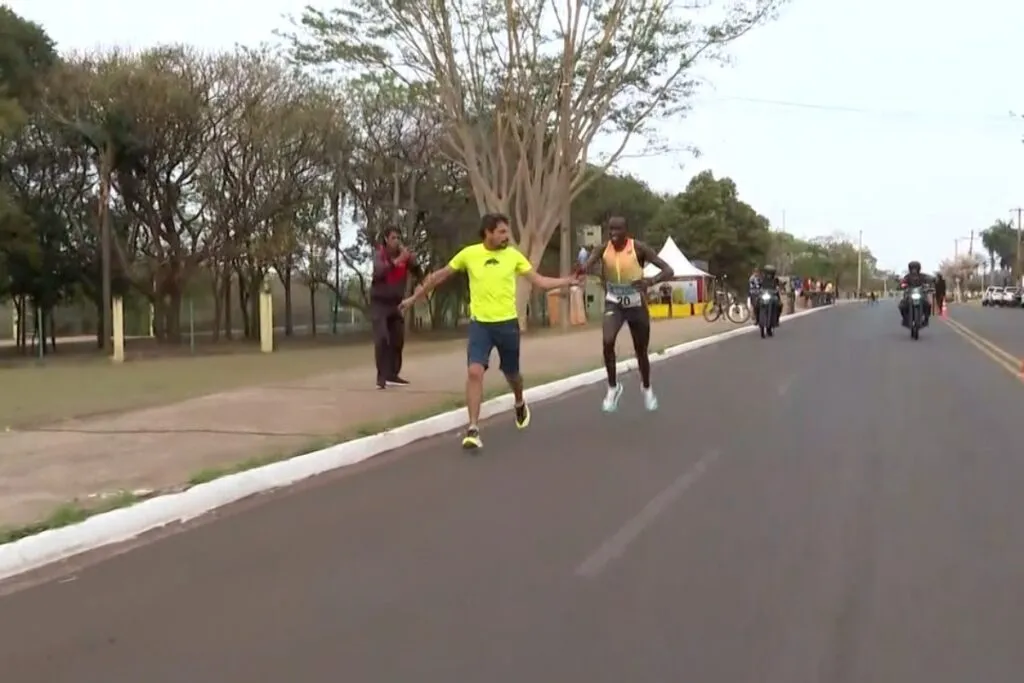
(617, 544)
(784, 387)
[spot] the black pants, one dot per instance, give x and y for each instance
(388, 340)
(639, 322)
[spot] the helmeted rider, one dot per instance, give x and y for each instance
(914, 279)
(753, 289)
(768, 280)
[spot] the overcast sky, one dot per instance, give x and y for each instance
(886, 116)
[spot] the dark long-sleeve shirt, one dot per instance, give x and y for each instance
(387, 287)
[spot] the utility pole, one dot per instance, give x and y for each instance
(1016, 270)
(860, 260)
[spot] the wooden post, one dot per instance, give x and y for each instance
(266, 319)
(117, 329)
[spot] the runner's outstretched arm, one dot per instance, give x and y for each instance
(429, 283)
(594, 259)
(648, 255)
(543, 282)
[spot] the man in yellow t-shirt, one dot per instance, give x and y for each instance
(492, 267)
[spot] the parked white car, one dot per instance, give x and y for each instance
(991, 296)
(1011, 297)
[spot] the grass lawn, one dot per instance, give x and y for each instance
(76, 382)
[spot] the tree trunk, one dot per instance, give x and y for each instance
(229, 332)
(159, 316)
(312, 309)
(39, 332)
(286, 281)
(254, 307)
(173, 315)
(218, 304)
(243, 305)
(53, 330)
(22, 329)
(99, 322)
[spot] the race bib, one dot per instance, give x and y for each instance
(626, 296)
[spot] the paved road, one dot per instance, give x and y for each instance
(844, 506)
(1001, 326)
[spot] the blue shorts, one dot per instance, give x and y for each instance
(485, 337)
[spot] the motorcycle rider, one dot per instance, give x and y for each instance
(769, 280)
(753, 288)
(914, 278)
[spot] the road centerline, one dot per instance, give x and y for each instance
(615, 546)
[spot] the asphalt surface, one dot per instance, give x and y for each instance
(1002, 326)
(835, 505)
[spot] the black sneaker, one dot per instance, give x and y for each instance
(472, 441)
(381, 384)
(397, 381)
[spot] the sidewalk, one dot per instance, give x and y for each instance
(160, 448)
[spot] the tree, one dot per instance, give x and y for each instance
(520, 110)
(164, 99)
(1000, 241)
(49, 187)
(263, 179)
(391, 157)
(784, 250)
(32, 258)
(26, 56)
(709, 222)
(614, 194)
(962, 267)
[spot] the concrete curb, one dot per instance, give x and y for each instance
(33, 552)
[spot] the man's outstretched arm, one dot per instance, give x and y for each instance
(544, 282)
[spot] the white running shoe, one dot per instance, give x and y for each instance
(650, 400)
(611, 399)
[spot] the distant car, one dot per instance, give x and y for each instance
(991, 296)
(1011, 297)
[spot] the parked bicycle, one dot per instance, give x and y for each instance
(723, 301)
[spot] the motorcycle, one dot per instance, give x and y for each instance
(766, 313)
(915, 313)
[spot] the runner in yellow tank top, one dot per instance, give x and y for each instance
(625, 301)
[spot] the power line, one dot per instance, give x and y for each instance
(973, 117)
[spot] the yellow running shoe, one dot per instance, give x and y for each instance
(471, 441)
(523, 416)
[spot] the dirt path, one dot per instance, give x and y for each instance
(162, 447)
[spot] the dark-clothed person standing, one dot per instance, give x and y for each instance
(393, 263)
(940, 293)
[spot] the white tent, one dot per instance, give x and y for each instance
(671, 255)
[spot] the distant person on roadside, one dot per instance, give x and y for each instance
(393, 263)
(940, 293)
(582, 256)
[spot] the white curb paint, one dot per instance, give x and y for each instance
(116, 526)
